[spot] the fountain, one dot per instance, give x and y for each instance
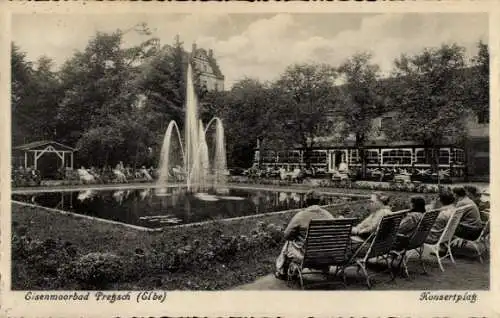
(195, 167)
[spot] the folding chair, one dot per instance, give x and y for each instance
(482, 239)
(325, 245)
(378, 245)
(416, 241)
(446, 237)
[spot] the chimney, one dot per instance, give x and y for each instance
(194, 48)
(210, 53)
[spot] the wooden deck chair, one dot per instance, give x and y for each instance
(447, 236)
(378, 245)
(482, 239)
(325, 246)
(416, 241)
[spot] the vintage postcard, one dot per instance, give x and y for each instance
(325, 159)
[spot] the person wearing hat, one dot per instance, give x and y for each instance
(295, 234)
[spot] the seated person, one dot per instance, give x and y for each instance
(411, 220)
(295, 234)
(146, 174)
(446, 200)
(379, 208)
(470, 225)
(478, 197)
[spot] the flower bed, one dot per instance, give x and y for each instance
(414, 187)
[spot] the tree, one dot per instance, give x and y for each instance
(305, 97)
(126, 137)
(35, 94)
(21, 82)
(479, 83)
(362, 99)
(431, 95)
(94, 83)
(248, 112)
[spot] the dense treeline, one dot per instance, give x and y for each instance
(114, 103)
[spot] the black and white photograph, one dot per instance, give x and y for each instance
(250, 152)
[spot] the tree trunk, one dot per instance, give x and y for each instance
(360, 140)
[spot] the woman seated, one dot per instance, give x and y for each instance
(410, 221)
(295, 234)
(446, 200)
(379, 208)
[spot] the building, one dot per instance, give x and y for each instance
(205, 63)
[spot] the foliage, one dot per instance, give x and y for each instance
(362, 95)
(45, 259)
(363, 99)
(431, 95)
(35, 94)
(249, 113)
(479, 83)
(306, 96)
(97, 269)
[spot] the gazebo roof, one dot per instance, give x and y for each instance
(40, 145)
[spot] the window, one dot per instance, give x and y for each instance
(354, 157)
(294, 156)
(205, 67)
(372, 156)
(282, 156)
(444, 156)
(420, 156)
(269, 156)
(318, 157)
(216, 86)
(397, 156)
(458, 156)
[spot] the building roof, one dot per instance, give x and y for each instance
(40, 145)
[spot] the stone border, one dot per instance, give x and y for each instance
(82, 187)
(160, 229)
(88, 217)
(250, 216)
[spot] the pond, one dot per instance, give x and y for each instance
(147, 208)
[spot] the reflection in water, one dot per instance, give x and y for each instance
(143, 207)
(205, 196)
(86, 195)
(145, 193)
(283, 197)
(119, 196)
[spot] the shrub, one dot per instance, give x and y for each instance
(97, 269)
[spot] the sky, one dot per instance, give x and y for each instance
(260, 46)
